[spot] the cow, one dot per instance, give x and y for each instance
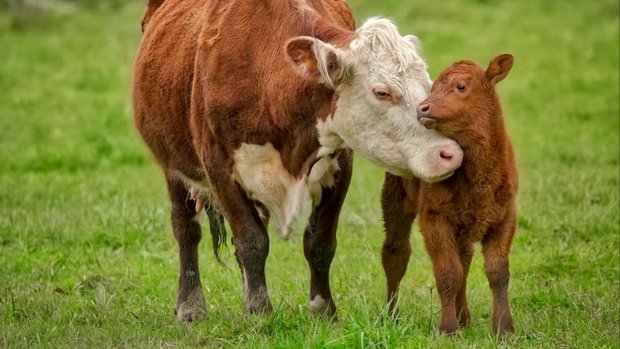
(253, 109)
(476, 204)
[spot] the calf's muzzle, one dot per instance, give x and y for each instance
(424, 114)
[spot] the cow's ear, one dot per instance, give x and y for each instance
(498, 68)
(315, 60)
(415, 41)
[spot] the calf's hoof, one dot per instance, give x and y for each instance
(449, 327)
(393, 313)
(464, 318)
(504, 331)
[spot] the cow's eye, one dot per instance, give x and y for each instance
(382, 94)
(461, 87)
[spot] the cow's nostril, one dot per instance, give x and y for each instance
(446, 154)
(450, 157)
(425, 108)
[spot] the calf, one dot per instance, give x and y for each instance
(250, 108)
(476, 204)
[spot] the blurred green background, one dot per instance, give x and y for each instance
(87, 258)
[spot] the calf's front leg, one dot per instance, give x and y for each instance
(439, 239)
(466, 252)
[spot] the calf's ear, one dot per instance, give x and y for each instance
(499, 68)
(316, 60)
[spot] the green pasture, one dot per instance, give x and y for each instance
(88, 260)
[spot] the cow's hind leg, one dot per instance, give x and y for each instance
(320, 238)
(398, 215)
(186, 229)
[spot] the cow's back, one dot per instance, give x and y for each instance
(237, 49)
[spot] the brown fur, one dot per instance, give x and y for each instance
(476, 204)
(211, 75)
(151, 7)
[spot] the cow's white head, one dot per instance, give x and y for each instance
(380, 79)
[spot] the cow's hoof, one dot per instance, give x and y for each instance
(257, 302)
(259, 307)
(192, 308)
(322, 307)
(190, 314)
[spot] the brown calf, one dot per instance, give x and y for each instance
(476, 204)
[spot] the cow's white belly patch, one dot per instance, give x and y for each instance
(260, 172)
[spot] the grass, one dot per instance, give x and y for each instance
(87, 258)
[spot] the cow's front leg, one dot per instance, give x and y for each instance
(320, 237)
(251, 249)
(249, 233)
(190, 301)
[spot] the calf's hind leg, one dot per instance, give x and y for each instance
(398, 215)
(496, 248)
(190, 301)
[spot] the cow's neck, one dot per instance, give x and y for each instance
(299, 142)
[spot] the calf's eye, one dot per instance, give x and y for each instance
(460, 87)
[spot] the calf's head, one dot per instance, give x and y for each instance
(379, 78)
(463, 103)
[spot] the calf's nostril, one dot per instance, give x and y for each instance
(423, 109)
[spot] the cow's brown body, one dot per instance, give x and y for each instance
(262, 105)
(476, 204)
(184, 69)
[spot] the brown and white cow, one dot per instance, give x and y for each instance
(253, 106)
